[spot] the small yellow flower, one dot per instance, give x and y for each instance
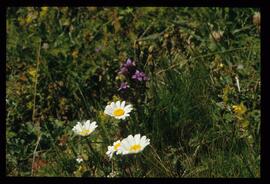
(239, 109)
(32, 72)
(31, 17)
(120, 78)
(43, 11)
(28, 19)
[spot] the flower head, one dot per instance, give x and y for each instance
(79, 159)
(239, 109)
(133, 144)
(118, 110)
(124, 85)
(139, 76)
(114, 148)
(127, 67)
(84, 129)
(129, 64)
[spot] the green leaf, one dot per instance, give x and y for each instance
(245, 124)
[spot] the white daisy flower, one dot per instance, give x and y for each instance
(84, 129)
(118, 110)
(79, 159)
(133, 144)
(113, 148)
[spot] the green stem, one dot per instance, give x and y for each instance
(34, 110)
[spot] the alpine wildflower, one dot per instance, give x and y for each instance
(114, 148)
(123, 86)
(133, 144)
(127, 68)
(140, 76)
(79, 160)
(118, 110)
(239, 109)
(84, 129)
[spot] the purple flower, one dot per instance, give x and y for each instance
(124, 85)
(129, 64)
(123, 71)
(127, 67)
(139, 76)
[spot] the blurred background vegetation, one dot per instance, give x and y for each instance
(62, 67)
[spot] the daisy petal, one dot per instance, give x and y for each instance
(123, 104)
(118, 104)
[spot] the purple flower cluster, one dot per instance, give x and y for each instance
(129, 70)
(140, 76)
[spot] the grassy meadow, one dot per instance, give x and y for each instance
(191, 76)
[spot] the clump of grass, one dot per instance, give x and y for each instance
(181, 107)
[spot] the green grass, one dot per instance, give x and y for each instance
(62, 67)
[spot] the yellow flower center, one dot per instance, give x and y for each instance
(135, 147)
(116, 146)
(118, 112)
(85, 132)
